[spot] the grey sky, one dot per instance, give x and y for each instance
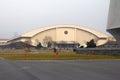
(19, 16)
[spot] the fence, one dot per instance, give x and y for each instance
(99, 51)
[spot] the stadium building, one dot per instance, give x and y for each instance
(64, 36)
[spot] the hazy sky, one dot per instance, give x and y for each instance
(20, 16)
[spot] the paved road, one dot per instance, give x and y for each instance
(9, 71)
(60, 70)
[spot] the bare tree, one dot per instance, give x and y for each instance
(28, 44)
(47, 41)
(37, 42)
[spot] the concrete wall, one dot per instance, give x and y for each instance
(41, 36)
(99, 51)
(69, 36)
(72, 35)
(83, 37)
(114, 14)
(114, 19)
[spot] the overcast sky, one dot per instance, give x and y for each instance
(20, 16)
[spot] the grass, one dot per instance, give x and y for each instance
(49, 55)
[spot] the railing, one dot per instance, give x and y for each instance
(100, 51)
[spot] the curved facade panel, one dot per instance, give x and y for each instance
(83, 37)
(41, 36)
(66, 35)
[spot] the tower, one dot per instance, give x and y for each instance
(114, 19)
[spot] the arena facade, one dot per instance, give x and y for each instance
(114, 19)
(64, 35)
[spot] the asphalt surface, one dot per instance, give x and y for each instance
(60, 70)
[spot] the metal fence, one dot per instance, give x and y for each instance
(99, 51)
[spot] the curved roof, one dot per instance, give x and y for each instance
(36, 31)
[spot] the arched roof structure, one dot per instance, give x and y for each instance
(36, 31)
(57, 33)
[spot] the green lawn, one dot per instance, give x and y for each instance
(49, 55)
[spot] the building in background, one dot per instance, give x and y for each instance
(63, 36)
(3, 43)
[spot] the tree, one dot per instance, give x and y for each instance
(81, 46)
(47, 41)
(91, 44)
(28, 44)
(49, 44)
(39, 46)
(19, 45)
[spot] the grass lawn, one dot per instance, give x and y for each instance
(49, 55)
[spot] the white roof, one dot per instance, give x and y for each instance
(36, 31)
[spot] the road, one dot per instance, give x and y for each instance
(60, 70)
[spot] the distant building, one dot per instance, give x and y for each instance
(69, 36)
(3, 41)
(114, 19)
